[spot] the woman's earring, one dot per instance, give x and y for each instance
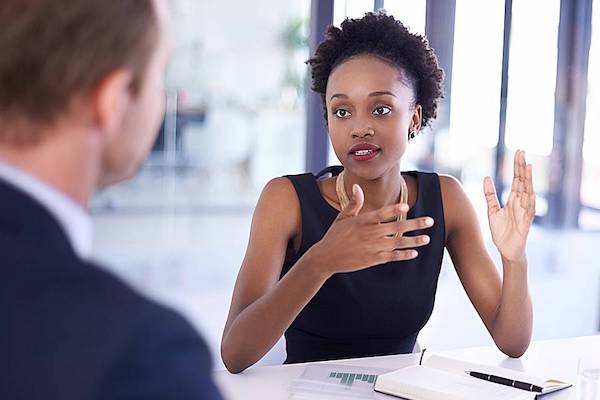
(411, 134)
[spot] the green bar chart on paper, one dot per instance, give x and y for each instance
(328, 381)
(348, 378)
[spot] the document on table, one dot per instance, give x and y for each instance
(336, 382)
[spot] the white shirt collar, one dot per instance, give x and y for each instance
(75, 220)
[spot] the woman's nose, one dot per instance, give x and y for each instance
(363, 132)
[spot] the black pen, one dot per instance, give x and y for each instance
(505, 381)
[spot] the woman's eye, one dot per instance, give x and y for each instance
(382, 110)
(341, 113)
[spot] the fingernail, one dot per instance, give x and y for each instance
(428, 221)
(425, 239)
(414, 253)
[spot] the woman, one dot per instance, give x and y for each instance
(347, 266)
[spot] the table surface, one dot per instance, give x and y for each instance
(552, 358)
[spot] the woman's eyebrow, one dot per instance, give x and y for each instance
(372, 94)
(382, 93)
(340, 95)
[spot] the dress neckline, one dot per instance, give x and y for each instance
(331, 208)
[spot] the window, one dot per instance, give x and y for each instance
(590, 195)
(475, 100)
(343, 9)
(410, 13)
(531, 86)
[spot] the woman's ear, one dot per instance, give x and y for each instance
(416, 118)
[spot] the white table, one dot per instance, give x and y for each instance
(553, 358)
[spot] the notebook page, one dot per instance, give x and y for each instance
(423, 383)
(459, 367)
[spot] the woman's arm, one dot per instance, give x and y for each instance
(258, 316)
(504, 304)
(263, 306)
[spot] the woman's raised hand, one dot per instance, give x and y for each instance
(510, 225)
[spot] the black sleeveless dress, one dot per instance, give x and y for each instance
(376, 311)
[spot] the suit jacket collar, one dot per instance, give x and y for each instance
(26, 220)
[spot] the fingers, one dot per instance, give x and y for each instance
(389, 248)
(524, 199)
(396, 255)
(386, 213)
(356, 202)
(528, 199)
(515, 181)
(400, 249)
(407, 242)
(525, 193)
(531, 190)
(490, 195)
(518, 174)
(522, 173)
(529, 179)
(402, 227)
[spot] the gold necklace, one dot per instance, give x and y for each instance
(345, 200)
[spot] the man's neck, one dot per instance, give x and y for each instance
(63, 160)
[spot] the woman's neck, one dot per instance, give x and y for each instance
(379, 192)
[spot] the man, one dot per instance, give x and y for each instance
(81, 100)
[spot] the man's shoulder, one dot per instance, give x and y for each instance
(159, 348)
(138, 314)
(109, 332)
(78, 293)
(118, 298)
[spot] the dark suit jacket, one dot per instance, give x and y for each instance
(71, 330)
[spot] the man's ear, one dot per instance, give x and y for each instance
(110, 101)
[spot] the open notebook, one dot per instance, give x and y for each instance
(442, 378)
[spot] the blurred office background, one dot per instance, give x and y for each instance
(521, 74)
